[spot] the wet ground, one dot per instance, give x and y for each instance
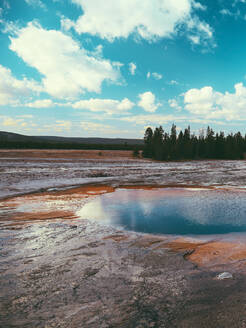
(28, 171)
(58, 270)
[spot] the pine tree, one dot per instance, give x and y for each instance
(173, 142)
(162, 146)
(158, 143)
(148, 143)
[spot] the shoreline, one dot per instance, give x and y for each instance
(114, 185)
(195, 247)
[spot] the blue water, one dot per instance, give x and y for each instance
(170, 211)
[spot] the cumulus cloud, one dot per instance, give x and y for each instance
(58, 126)
(195, 39)
(157, 119)
(25, 116)
(101, 128)
(148, 102)
(109, 106)
(92, 126)
(153, 119)
(21, 122)
(155, 75)
(9, 121)
(132, 68)
(67, 69)
(148, 19)
(207, 102)
(198, 5)
(13, 90)
(42, 103)
(63, 125)
(201, 101)
(174, 104)
(199, 32)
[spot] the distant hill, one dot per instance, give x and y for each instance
(14, 140)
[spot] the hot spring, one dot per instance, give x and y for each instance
(170, 210)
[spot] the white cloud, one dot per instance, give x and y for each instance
(155, 75)
(67, 69)
(92, 126)
(58, 126)
(173, 82)
(208, 103)
(36, 3)
(226, 12)
(148, 102)
(109, 106)
(156, 119)
(66, 23)
(195, 39)
(205, 29)
(12, 90)
(132, 68)
(148, 19)
(22, 122)
(43, 103)
(198, 5)
(25, 116)
(63, 125)
(200, 101)
(9, 121)
(9, 27)
(153, 119)
(101, 128)
(174, 104)
(200, 32)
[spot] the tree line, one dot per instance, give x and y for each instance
(6, 144)
(161, 145)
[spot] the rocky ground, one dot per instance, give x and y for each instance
(57, 270)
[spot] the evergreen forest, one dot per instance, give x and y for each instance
(161, 145)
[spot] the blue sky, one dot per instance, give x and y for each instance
(112, 68)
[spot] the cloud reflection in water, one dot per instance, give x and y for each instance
(170, 211)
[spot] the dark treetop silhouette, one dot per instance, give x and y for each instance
(161, 145)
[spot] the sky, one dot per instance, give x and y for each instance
(93, 68)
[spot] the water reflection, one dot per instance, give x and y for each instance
(170, 211)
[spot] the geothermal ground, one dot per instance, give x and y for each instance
(58, 270)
